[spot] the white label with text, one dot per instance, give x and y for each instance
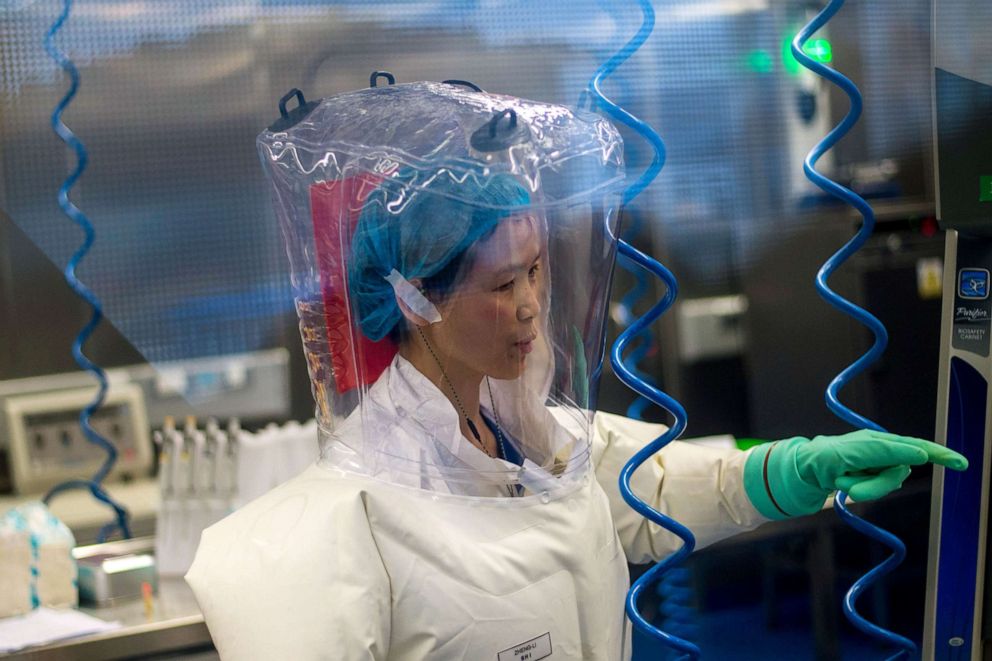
(531, 650)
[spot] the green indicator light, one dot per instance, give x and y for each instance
(760, 61)
(791, 63)
(985, 194)
(820, 50)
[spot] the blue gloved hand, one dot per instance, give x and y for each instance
(794, 477)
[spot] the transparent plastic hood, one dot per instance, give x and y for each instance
(451, 254)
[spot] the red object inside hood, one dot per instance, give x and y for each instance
(335, 207)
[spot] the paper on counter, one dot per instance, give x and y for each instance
(48, 625)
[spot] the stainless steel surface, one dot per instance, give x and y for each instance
(176, 625)
(936, 495)
(139, 641)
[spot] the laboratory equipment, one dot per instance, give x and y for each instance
(253, 387)
(43, 442)
(207, 473)
(109, 575)
(957, 620)
(711, 327)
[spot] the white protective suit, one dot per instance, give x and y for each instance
(337, 565)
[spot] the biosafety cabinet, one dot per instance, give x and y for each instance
(958, 622)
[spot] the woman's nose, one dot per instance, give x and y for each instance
(529, 303)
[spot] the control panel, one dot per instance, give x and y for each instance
(46, 445)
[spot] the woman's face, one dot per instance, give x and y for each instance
(489, 322)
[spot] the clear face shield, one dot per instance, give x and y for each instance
(452, 255)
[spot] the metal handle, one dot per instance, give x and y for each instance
(300, 101)
(376, 75)
(494, 122)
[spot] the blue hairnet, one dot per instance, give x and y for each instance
(429, 233)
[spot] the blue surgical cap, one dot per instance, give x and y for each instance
(419, 232)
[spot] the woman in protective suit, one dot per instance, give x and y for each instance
(466, 505)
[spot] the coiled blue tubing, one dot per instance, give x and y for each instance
(906, 646)
(94, 484)
(628, 376)
(646, 342)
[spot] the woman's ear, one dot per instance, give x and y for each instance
(423, 306)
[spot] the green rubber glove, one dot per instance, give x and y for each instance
(794, 477)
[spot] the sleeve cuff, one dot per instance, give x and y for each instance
(773, 484)
(756, 483)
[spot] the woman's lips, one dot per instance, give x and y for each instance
(526, 345)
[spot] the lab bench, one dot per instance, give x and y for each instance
(175, 627)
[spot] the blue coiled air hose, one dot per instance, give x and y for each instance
(93, 485)
(675, 612)
(639, 326)
(645, 343)
(644, 454)
(906, 646)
